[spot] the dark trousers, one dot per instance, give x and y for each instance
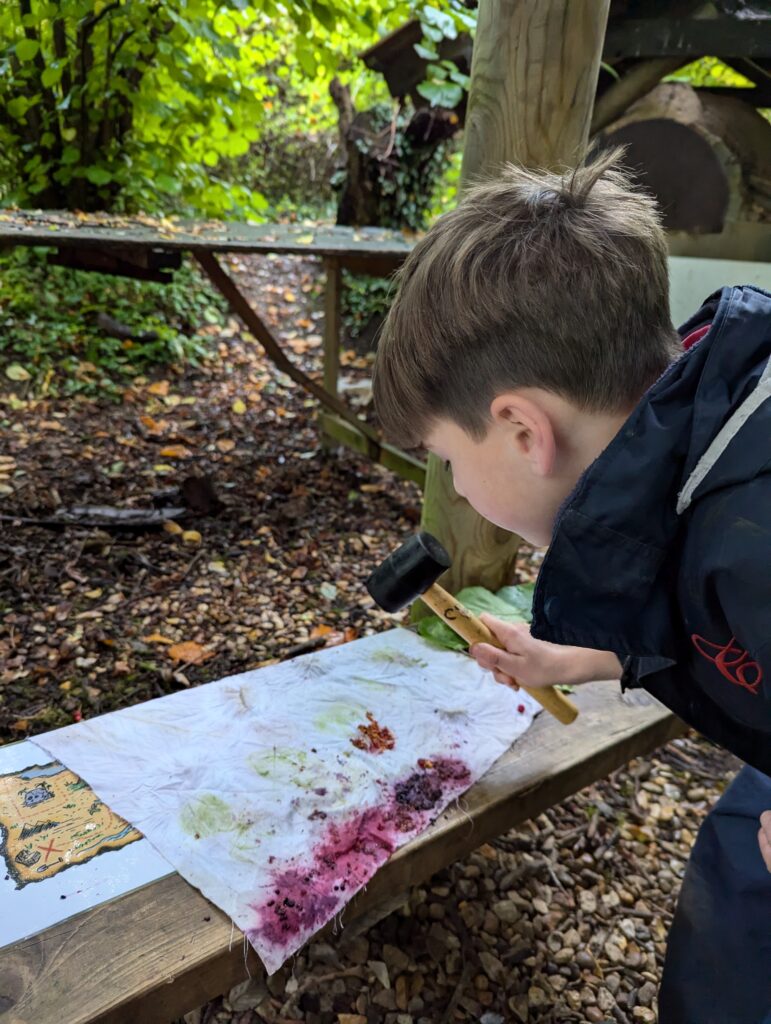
(718, 963)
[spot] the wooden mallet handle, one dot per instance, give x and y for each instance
(474, 631)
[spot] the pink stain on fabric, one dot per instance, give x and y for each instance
(303, 896)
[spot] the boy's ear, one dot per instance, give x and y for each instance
(529, 428)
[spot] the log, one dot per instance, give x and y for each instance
(706, 158)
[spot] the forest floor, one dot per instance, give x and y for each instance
(561, 920)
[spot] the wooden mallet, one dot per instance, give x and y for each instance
(411, 572)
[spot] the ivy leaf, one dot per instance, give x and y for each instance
(27, 49)
(98, 175)
(426, 52)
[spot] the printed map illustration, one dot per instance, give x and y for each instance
(50, 820)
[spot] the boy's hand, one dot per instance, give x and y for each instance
(764, 837)
(536, 663)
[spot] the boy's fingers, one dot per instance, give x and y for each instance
(501, 677)
(509, 633)
(495, 660)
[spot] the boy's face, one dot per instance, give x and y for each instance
(502, 477)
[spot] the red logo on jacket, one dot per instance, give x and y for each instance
(731, 661)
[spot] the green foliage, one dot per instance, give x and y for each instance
(709, 71)
(143, 104)
(48, 319)
(512, 604)
(364, 297)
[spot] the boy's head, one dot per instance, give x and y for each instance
(527, 324)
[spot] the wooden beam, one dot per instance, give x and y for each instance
(687, 37)
(154, 954)
(402, 463)
(637, 82)
(530, 102)
(331, 324)
(241, 307)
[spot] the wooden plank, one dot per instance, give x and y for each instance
(154, 954)
(54, 228)
(687, 37)
(332, 324)
(401, 463)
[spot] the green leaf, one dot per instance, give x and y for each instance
(441, 94)
(52, 75)
(426, 52)
(514, 608)
(27, 49)
(98, 175)
(443, 21)
(16, 372)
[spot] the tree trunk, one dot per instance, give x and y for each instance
(533, 81)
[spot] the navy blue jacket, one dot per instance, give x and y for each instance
(683, 599)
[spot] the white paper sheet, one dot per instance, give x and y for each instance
(254, 789)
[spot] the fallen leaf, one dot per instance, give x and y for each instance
(50, 425)
(192, 537)
(175, 451)
(93, 594)
(16, 372)
(189, 652)
(21, 726)
(171, 527)
(321, 630)
(160, 387)
(239, 406)
(225, 444)
(157, 638)
(289, 296)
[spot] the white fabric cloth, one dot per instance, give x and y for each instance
(252, 788)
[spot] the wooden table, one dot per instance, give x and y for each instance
(151, 248)
(163, 950)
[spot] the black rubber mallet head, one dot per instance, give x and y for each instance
(408, 572)
(411, 572)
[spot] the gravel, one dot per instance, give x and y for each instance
(560, 921)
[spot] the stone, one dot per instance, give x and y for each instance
(584, 959)
(605, 1000)
(380, 971)
(402, 997)
(323, 953)
(492, 966)
(507, 911)
(594, 1014)
(386, 999)
(587, 901)
(436, 911)
(564, 955)
(540, 906)
(248, 995)
(646, 993)
(644, 1015)
(357, 950)
(536, 996)
(351, 1018)
(397, 960)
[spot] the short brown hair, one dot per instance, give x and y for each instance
(535, 279)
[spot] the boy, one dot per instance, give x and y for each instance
(530, 346)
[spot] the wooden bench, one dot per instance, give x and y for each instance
(163, 950)
(151, 248)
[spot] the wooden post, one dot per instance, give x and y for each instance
(533, 81)
(332, 325)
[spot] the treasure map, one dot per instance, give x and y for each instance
(280, 792)
(51, 822)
